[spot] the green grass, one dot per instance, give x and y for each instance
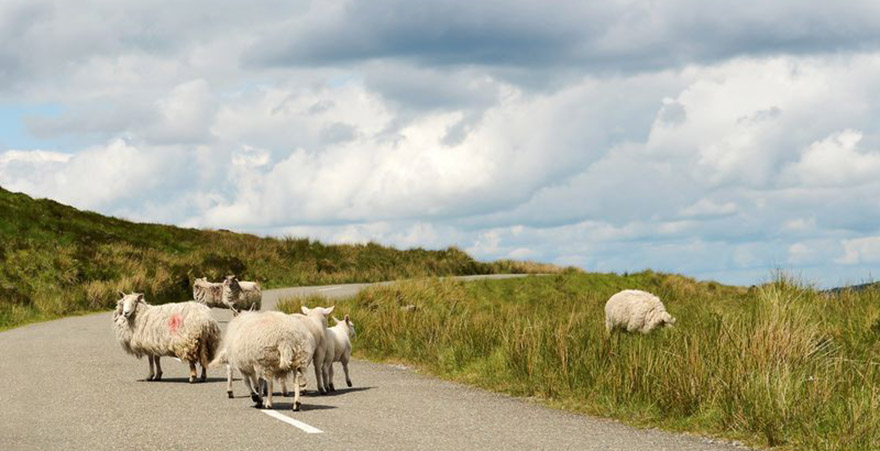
(779, 365)
(56, 260)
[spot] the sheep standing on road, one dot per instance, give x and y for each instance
(342, 334)
(635, 310)
(208, 293)
(316, 321)
(267, 345)
(184, 330)
(240, 295)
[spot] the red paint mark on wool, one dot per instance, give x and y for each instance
(175, 322)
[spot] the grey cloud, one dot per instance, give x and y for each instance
(627, 36)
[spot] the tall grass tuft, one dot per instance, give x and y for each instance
(780, 365)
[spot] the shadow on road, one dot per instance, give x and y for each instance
(184, 380)
(302, 407)
(338, 392)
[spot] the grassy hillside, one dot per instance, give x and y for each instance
(776, 365)
(57, 260)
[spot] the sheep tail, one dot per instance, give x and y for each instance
(286, 361)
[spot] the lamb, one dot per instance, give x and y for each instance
(240, 295)
(265, 346)
(342, 334)
(316, 321)
(184, 330)
(209, 293)
(636, 310)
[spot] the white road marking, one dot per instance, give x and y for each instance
(329, 288)
(295, 423)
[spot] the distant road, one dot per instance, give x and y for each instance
(67, 385)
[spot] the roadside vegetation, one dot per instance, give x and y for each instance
(56, 260)
(779, 365)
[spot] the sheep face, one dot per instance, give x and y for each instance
(668, 319)
(128, 305)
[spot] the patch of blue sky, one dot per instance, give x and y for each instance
(14, 133)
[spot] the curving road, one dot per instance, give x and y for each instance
(67, 385)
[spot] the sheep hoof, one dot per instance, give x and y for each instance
(229, 394)
(332, 388)
(158, 377)
(256, 398)
(296, 406)
(192, 380)
(348, 382)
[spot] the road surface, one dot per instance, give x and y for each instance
(67, 385)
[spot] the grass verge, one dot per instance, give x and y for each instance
(779, 365)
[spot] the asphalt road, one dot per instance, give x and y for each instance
(67, 385)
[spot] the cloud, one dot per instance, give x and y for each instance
(860, 250)
(600, 35)
(715, 139)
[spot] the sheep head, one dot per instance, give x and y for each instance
(127, 306)
(348, 323)
(321, 312)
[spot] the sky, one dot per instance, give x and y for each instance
(722, 140)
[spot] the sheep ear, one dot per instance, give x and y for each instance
(335, 320)
(347, 319)
(305, 310)
(141, 298)
(121, 293)
(329, 310)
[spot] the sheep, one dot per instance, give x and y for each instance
(636, 310)
(264, 346)
(316, 321)
(184, 330)
(342, 334)
(209, 293)
(240, 295)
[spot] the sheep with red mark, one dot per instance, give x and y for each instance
(185, 330)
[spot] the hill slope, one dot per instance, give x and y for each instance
(56, 260)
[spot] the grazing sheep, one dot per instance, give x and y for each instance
(240, 295)
(316, 321)
(342, 334)
(209, 293)
(184, 330)
(267, 345)
(635, 310)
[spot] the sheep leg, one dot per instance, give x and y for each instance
(268, 379)
(297, 376)
(152, 373)
(229, 381)
(284, 391)
(192, 372)
(158, 376)
(249, 382)
(203, 360)
(330, 377)
(345, 367)
(319, 373)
